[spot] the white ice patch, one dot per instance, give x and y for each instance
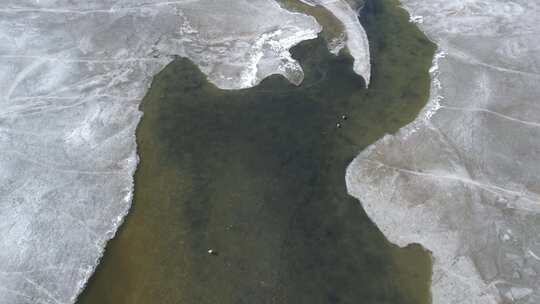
(72, 75)
(462, 179)
(356, 38)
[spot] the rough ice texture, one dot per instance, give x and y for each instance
(72, 74)
(463, 179)
(356, 39)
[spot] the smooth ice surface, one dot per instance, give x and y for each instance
(463, 179)
(356, 38)
(72, 74)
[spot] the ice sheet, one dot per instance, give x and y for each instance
(463, 179)
(72, 74)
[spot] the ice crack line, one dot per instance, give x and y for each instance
(37, 110)
(49, 97)
(43, 290)
(55, 167)
(458, 54)
(19, 294)
(44, 269)
(83, 60)
(488, 187)
(529, 123)
(92, 11)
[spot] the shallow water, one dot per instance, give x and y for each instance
(258, 176)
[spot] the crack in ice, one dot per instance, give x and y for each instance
(110, 10)
(86, 60)
(17, 293)
(53, 167)
(43, 109)
(43, 290)
(488, 187)
(472, 60)
(529, 123)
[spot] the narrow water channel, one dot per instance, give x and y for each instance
(258, 175)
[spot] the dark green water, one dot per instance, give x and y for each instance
(258, 175)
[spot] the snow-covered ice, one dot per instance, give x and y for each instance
(72, 74)
(463, 179)
(356, 38)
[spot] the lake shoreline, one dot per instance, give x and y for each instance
(258, 176)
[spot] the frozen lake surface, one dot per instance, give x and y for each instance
(463, 179)
(72, 76)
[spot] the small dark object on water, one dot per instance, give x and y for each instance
(344, 117)
(338, 125)
(212, 252)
